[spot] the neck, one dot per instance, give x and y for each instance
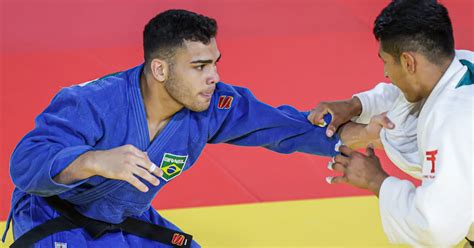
(432, 74)
(159, 105)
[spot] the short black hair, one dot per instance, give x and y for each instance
(168, 31)
(420, 26)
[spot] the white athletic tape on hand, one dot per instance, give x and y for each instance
(329, 180)
(330, 164)
(152, 168)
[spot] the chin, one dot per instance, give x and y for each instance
(199, 107)
(408, 97)
(413, 99)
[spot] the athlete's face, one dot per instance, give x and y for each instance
(397, 73)
(193, 74)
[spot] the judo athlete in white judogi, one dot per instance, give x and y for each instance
(431, 106)
(433, 142)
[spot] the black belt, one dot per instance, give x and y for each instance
(70, 218)
(470, 242)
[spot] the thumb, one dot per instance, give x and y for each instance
(330, 130)
(333, 126)
(317, 115)
(387, 123)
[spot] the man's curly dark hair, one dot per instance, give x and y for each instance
(168, 31)
(420, 26)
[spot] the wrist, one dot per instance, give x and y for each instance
(377, 182)
(79, 169)
(88, 162)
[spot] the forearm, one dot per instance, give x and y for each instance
(355, 136)
(79, 169)
(283, 129)
(355, 106)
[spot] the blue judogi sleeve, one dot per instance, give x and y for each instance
(67, 128)
(240, 119)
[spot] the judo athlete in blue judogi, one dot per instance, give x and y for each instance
(98, 147)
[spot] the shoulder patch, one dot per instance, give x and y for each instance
(225, 102)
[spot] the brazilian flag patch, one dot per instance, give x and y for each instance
(172, 165)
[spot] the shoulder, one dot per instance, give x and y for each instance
(105, 93)
(228, 89)
(452, 116)
(226, 95)
(227, 100)
(110, 85)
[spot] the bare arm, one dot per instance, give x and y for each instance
(357, 136)
(78, 170)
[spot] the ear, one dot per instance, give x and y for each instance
(159, 69)
(408, 62)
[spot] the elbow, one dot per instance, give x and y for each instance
(18, 171)
(283, 148)
(26, 176)
(20, 177)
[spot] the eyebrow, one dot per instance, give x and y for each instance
(207, 61)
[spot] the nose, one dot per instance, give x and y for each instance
(213, 77)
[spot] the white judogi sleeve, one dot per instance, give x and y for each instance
(400, 143)
(439, 212)
(376, 101)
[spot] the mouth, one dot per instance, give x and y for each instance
(207, 94)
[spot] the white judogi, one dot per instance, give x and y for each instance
(433, 141)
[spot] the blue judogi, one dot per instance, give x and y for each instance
(108, 113)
